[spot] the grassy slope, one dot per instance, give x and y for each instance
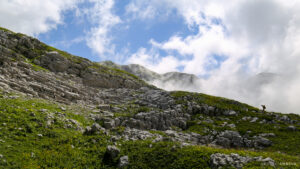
(61, 147)
(285, 141)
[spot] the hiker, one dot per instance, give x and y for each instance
(264, 107)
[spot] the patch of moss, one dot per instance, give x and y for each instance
(38, 68)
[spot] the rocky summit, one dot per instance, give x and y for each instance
(58, 110)
(168, 81)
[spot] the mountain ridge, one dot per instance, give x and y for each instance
(167, 81)
(62, 111)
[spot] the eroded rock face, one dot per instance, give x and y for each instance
(158, 120)
(54, 62)
(31, 67)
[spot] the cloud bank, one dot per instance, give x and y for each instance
(33, 17)
(235, 41)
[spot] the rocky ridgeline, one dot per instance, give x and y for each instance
(31, 67)
(167, 81)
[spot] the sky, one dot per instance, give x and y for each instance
(225, 43)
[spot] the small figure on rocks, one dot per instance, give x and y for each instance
(264, 107)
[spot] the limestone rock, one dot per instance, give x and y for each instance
(292, 128)
(112, 152)
(123, 161)
(219, 160)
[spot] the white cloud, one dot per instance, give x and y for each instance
(33, 17)
(102, 16)
(192, 11)
(154, 62)
(208, 42)
(148, 11)
(253, 37)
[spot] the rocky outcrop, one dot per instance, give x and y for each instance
(219, 160)
(234, 139)
(158, 120)
(33, 68)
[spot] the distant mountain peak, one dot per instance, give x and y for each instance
(167, 81)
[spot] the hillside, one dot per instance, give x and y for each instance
(62, 111)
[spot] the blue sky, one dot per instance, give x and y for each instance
(130, 35)
(224, 43)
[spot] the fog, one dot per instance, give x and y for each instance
(251, 53)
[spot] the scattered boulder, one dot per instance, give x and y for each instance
(261, 142)
(43, 110)
(291, 128)
(254, 119)
(93, 129)
(123, 161)
(109, 123)
(96, 127)
(112, 152)
(230, 113)
(231, 125)
(229, 138)
(246, 118)
(88, 130)
(267, 135)
(267, 161)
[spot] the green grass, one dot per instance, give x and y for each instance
(4, 29)
(67, 55)
(20, 129)
(170, 155)
(219, 102)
